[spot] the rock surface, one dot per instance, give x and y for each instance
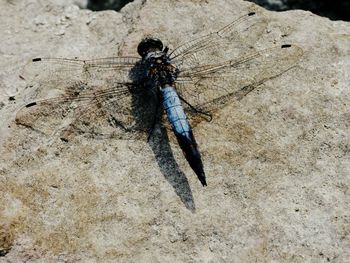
(277, 161)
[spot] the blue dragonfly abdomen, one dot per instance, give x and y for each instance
(182, 130)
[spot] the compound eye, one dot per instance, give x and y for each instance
(148, 45)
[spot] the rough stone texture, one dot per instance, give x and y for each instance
(277, 162)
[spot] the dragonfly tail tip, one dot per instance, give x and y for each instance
(201, 178)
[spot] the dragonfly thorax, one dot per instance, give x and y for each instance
(160, 70)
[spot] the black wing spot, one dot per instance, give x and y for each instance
(36, 59)
(30, 104)
(286, 46)
(64, 139)
(251, 13)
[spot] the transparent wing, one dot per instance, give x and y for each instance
(209, 87)
(233, 40)
(59, 73)
(99, 97)
(120, 111)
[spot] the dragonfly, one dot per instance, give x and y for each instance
(125, 97)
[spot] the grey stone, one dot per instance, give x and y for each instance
(277, 161)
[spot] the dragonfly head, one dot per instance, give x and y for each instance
(159, 67)
(149, 44)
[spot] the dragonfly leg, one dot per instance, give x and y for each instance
(208, 115)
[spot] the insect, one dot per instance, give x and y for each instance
(123, 97)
